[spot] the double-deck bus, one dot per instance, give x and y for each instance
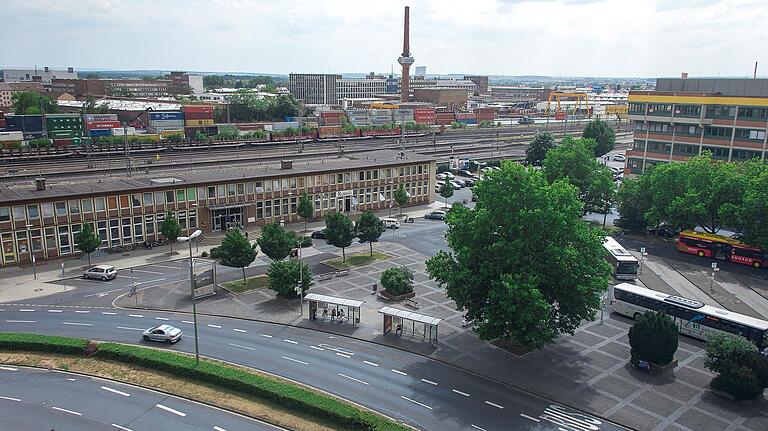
(692, 317)
(624, 264)
(720, 247)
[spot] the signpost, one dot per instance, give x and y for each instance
(643, 254)
(712, 279)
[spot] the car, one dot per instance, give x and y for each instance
(525, 120)
(619, 157)
(163, 333)
(439, 183)
(615, 169)
(391, 223)
(435, 215)
(449, 175)
(458, 184)
(469, 182)
(441, 176)
(665, 231)
(465, 173)
(100, 272)
(318, 234)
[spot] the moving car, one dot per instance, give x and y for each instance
(435, 215)
(318, 234)
(619, 157)
(101, 272)
(391, 223)
(163, 333)
(469, 182)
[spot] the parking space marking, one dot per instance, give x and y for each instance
(415, 402)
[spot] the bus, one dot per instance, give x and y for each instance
(720, 247)
(693, 318)
(624, 264)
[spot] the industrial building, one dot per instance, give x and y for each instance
(453, 99)
(314, 88)
(480, 81)
(684, 117)
(46, 75)
(359, 88)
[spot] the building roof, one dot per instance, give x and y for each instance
(183, 177)
(124, 105)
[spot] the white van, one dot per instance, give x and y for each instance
(391, 223)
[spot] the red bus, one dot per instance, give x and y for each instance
(719, 247)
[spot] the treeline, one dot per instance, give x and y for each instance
(236, 81)
(245, 107)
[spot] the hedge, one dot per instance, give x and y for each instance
(42, 343)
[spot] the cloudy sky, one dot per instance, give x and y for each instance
(617, 38)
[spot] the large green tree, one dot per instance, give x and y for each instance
(305, 208)
(170, 228)
(236, 251)
(401, 197)
(30, 103)
(87, 240)
(573, 161)
(446, 191)
(601, 192)
(276, 241)
(339, 231)
(602, 134)
(749, 218)
(285, 275)
(523, 265)
(369, 229)
(538, 148)
(653, 338)
(741, 370)
(633, 199)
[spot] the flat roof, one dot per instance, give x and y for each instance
(333, 300)
(183, 177)
(409, 315)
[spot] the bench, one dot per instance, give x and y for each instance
(342, 272)
(412, 303)
(326, 276)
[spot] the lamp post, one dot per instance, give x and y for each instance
(31, 254)
(189, 239)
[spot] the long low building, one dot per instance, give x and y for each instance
(43, 219)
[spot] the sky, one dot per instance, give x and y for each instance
(559, 38)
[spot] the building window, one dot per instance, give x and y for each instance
(149, 222)
(50, 238)
(276, 206)
(744, 155)
(169, 197)
(74, 207)
(47, 209)
(126, 224)
(211, 192)
(147, 199)
(5, 214)
(201, 193)
(181, 195)
(61, 209)
(87, 206)
(33, 211)
(259, 210)
(124, 202)
(221, 191)
(101, 228)
(192, 219)
(159, 198)
(19, 214)
(64, 245)
(717, 132)
(114, 232)
(240, 189)
(276, 185)
(112, 203)
(718, 153)
(293, 183)
(361, 176)
(249, 187)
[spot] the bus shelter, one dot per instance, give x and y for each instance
(332, 306)
(399, 317)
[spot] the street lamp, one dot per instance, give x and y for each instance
(31, 254)
(300, 287)
(189, 239)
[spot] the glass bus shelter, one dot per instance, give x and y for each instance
(323, 305)
(397, 317)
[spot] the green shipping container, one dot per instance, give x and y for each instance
(56, 123)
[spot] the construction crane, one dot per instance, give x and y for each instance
(560, 95)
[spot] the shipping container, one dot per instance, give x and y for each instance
(167, 130)
(166, 123)
(166, 133)
(197, 109)
(90, 125)
(62, 134)
(119, 131)
(198, 123)
(62, 142)
(30, 125)
(276, 127)
(331, 114)
(198, 116)
(166, 116)
(11, 136)
(560, 115)
(95, 133)
(99, 117)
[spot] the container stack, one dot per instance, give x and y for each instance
(166, 122)
(379, 117)
(197, 116)
(11, 139)
(485, 114)
(30, 125)
(331, 118)
(99, 126)
(403, 115)
(424, 115)
(64, 126)
(358, 117)
(445, 118)
(466, 117)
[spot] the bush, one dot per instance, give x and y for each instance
(284, 276)
(305, 241)
(42, 343)
(742, 371)
(740, 382)
(204, 254)
(653, 338)
(397, 281)
(215, 253)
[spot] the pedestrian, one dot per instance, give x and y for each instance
(325, 313)
(341, 316)
(246, 234)
(333, 314)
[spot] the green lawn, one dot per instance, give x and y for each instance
(258, 282)
(357, 259)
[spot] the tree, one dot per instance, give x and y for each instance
(90, 106)
(749, 217)
(369, 229)
(602, 134)
(601, 192)
(633, 199)
(285, 275)
(573, 160)
(398, 280)
(653, 338)
(170, 228)
(742, 371)
(87, 240)
(30, 103)
(339, 231)
(524, 264)
(401, 197)
(446, 191)
(236, 251)
(537, 150)
(305, 209)
(213, 81)
(276, 241)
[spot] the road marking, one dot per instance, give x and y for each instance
(290, 341)
(135, 315)
(218, 428)
(529, 417)
(415, 402)
(124, 276)
(170, 410)
(71, 380)
(265, 335)
(460, 393)
(27, 310)
(115, 391)
(478, 428)
(10, 399)
(187, 321)
(162, 318)
(317, 348)
(165, 266)
(121, 427)
(77, 324)
(294, 360)
(373, 364)
(352, 378)
(108, 313)
(20, 321)
(152, 281)
(82, 311)
(214, 326)
(55, 311)
(102, 293)
(399, 372)
(67, 411)
(129, 328)
(9, 369)
(343, 355)
(242, 347)
(495, 405)
(148, 272)
(239, 330)
(429, 382)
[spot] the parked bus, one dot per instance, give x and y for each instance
(692, 317)
(624, 264)
(720, 247)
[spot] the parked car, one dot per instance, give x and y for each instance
(619, 157)
(318, 234)
(163, 333)
(665, 231)
(449, 175)
(465, 173)
(441, 176)
(458, 183)
(615, 169)
(435, 215)
(101, 272)
(469, 182)
(391, 223)
(525, 120)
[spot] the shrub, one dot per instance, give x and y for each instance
(42, 343)
(740, 382)
(742, 371)
(398, 280)
(305, 241)
(204, 254)
(653, 338)
(284, 276)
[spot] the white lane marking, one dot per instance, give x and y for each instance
(188, 322)
(82, 311)
(218, 428)
(290, 341)
(529, 417)
(399, 372)
(294, 360)
(148, 272)
(354, 379)
(135, 315)
(152, 281)
(336, 349)
(9, 369)
(115, 391)
(239, 330)
(265, 335)
(55, 311)
(67, 411)
(27, 310)
(343, 355)
(494, 404)
(129, 328)
(162, 318)
(317, 348)
(20, 321)
(429, 382)
(165, 266)
(71, 380)
(121, 427)
(77, 324)
(108, 313)
(460, 393)
(10, 399)
(373, 364)
(214, 326)
(170, 410)
(242, 347)
(102, 293)
(415, 402)
(477, 427)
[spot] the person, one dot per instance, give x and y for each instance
(399, 329)
(341, 316)
(375, 288)
(333, 314)
(325, 313)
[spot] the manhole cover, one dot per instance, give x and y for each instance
(38, 290)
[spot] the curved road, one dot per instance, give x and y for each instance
(421, 392)
(35, 399)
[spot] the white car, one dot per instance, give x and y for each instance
(164, 333)
(391, 223)
(619, 157)
(615, 169)
(456, 184)
(101, 272)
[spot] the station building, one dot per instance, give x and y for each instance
(43, 219)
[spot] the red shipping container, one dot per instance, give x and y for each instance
(196, 108)
(61, 142)
(331, 114)
(91, 125)
(198, 116)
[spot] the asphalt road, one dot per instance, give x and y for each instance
(35, 399)
(424, 393)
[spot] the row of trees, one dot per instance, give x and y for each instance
(32, 103)
(597, 130)
(246, 106)
(219, 81)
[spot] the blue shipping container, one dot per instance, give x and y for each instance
(154, 116)
(29, 124)
(468, 120)
(95, 133)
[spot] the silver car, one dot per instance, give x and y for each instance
(101, 272)
(165, 333)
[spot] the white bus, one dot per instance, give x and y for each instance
(692, 317)
(624, 264)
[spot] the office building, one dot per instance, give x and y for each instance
(45, 75)
(313, 88)
(420, 72)
(359, 88)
